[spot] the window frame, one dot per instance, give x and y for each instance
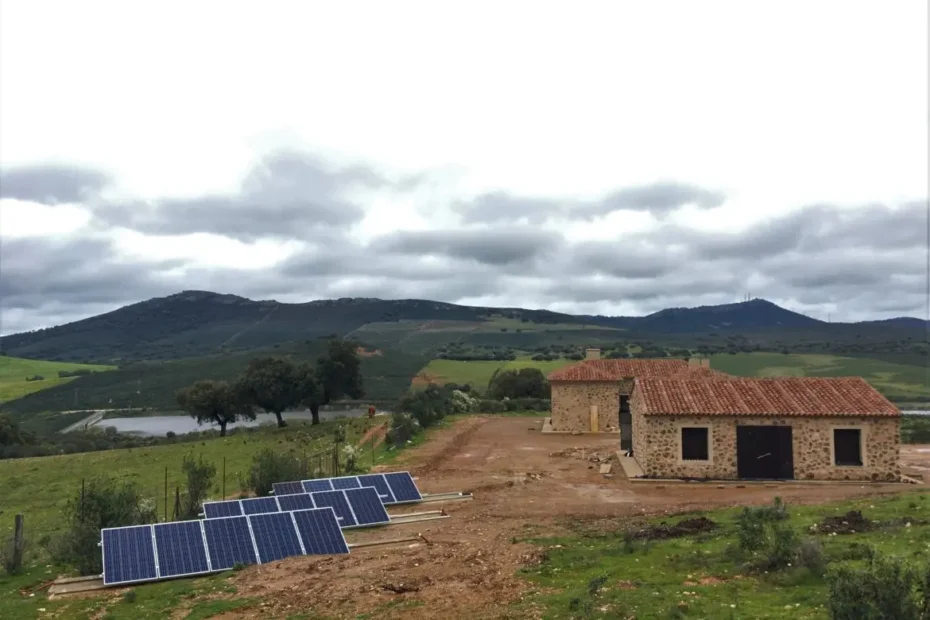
(681, 442)
(862, 454)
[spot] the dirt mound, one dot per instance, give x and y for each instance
(849, 523)
(685, 527)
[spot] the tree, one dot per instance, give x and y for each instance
(522, 383)
(338, 374)
(199, 476)
(272, 383)
(215, 402)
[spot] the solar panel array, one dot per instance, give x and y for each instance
(394, 488)
(165, 550)
(356, 507)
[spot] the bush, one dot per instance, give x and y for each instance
(403, 428)
(350, 459)
(886, 589)
(268, 467)
(428, 406)
(199, 476)
(106, 503)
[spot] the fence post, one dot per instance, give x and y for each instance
(18, 544)
(224, 477)
(166, 493)
(82, 500)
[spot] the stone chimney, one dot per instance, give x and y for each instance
(694, 362)
(705, 363)
(592, 354)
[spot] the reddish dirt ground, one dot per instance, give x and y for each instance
(524, 483)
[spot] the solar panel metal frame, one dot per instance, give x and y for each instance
(345, 480)
(248, 525)
(367, 480)
(288, 488)
(309, 484)
(283, 499)
(387, 476)
(294, 516)
(225, 501)
(103, 556)
(372, 494)
(203, 538)
(255, 500)
(348, 504)
(290, 519)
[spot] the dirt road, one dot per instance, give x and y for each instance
(525, 483)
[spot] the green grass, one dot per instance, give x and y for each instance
(14, 370)
(478, 373)
(896, 381)
(650, 580)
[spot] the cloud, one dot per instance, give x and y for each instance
(52, 184)
(288, 194)
(853, 262)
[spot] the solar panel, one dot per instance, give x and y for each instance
(319, 531)
(230, 542)
(181, 550)
(320, 484)
(367, 506)
(378, 481)
(259, 505)
(128, 554)
(275, 536)
(287, 488)
(338, 502)
(349, 482)
(301, 501)
(216, 510)
(403, 487)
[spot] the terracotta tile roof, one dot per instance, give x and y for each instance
(796, 396)
(696, 373)
(615, 370)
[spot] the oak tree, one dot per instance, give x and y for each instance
(272, 383)
(214, 402)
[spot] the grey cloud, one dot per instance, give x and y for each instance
(52, 184)
(287, 195)
(498, 247)
(658, 198)
(501, 206)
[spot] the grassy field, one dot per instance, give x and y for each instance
(598, 573)
(14, 370)
(901, 382)
(478, 373)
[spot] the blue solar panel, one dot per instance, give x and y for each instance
(180, 548)
(128, 555)
(320, 484)
(287, 488)
(338, 502)
(303, 501)
(275, 536)
(319, 531)
(367, 506)
(403, 487)
(230, 542)
(378, 481)
(259, 505)
(350, 482)
(216, 510)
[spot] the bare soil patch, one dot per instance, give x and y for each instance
(363, 352)
(526, 484)
(425, 378)
(685, 527)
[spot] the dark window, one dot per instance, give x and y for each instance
(694, 444)
(847, 446)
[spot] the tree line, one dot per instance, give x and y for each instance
(274, 385)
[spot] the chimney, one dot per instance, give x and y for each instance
(592, 354)
(705, 363)
(694, 362)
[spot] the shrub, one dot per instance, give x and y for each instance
(403, 428)
(199, 475)
(810, 554)
(268, 467)
(886, 589)
(750, 530)
(350, 459)
(106, 503)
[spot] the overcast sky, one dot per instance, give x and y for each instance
(597, 157)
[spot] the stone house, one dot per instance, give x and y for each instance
(779, 428)
(594, 395)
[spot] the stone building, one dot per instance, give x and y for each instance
(778, 428)
(594, 395)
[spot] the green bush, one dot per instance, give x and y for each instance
(403, 428)
(885, 589)
(268, 467)
(199, 475)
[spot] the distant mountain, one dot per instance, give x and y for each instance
(194, 323)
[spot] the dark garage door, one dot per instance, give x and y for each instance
(764, 452)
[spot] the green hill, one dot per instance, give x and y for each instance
(19, 377)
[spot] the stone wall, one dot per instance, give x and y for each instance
(657, 446)
(571, 405)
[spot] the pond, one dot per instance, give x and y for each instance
(180, 424)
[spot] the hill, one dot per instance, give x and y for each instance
(197, 323)
(19, 377)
